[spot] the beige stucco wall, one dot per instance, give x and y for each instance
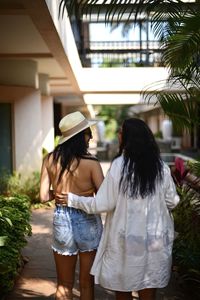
(18, 73)
(26, 127)
(28, 132)
(22, 86)
(186, 140)
(47, 123)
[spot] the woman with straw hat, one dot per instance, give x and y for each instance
(70, 167)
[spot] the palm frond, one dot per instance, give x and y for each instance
(195, 169)
(116, 9)
(181, 105)
(189, 81)
(166, 18)
(181, 49)
(181, 110)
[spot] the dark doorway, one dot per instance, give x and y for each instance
(5, 138)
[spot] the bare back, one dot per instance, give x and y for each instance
(82, 180)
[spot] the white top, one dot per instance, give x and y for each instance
(136, 245)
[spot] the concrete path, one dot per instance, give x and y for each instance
(38, 278)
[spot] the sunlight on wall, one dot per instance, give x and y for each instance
(32, 158)
(48, 142)
(28, 133)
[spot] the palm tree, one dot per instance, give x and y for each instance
(181, 54)
(180, 40)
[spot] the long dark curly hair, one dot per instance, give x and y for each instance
(73, 149)
(142, 165)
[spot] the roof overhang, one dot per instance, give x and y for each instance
(28, 31)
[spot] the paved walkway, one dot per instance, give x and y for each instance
(38, 278)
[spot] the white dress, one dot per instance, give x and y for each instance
(136, 245)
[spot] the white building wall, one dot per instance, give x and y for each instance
(153, 124)
(28, 133)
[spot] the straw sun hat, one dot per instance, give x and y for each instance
(72, 124)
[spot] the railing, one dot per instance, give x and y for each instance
(121, 54)
(123, 45)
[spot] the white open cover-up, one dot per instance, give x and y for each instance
(136, 245)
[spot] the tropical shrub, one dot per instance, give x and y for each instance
(14, 227)
(186, 252)
(31, 187)
(14, 184)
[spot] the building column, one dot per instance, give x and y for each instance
(19, 86)
(47, 118)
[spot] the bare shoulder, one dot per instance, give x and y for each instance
(91, 162)
(92, 167)
(96, 164)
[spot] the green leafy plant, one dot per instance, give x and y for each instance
(186, 253)
(158, 134)
(3, 220)
(113, 116)
(14, 184)
(14, 220)
(31, 187)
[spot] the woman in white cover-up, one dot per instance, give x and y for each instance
(138, 195)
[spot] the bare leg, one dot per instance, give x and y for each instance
(147, 294)
(123, 295)
(86, 280)
(65, 267)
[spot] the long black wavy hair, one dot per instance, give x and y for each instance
(142, 165)
(74, 148)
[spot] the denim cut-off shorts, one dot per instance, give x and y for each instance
(74, 231)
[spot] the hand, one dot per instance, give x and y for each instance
(61, 199)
